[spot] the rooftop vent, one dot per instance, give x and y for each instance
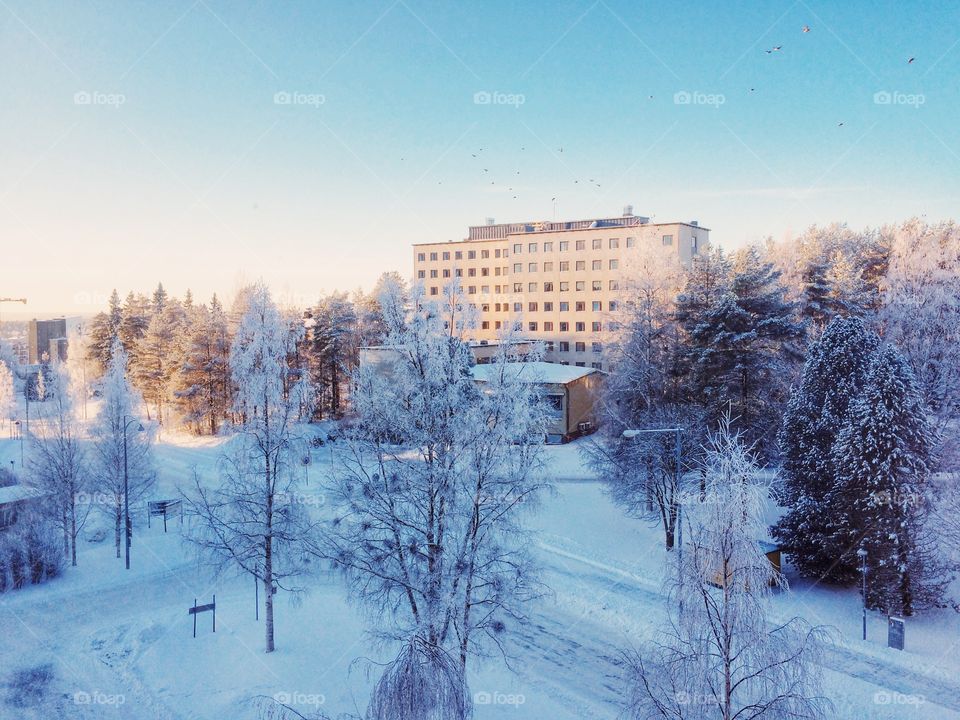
(695, 223)
(628, 210)
(491, 221)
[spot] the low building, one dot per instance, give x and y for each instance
(14, 499)
(570, 391)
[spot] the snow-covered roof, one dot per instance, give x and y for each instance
(535, 372)
(15, 493)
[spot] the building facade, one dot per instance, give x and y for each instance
(47, 340)
(559, 281)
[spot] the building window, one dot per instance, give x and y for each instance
(532, 267)
(485, 325)
(421, 257)
(581, 326)
(496, 253)
(433, 290)
(446, 255)
(548, 247)
(472, 290)
(496, 271)
(518, 287)
(564, 245)
(668, 239)
(564, 326)
(485, 272)
(581, 244)
(596, 327)
(564, 346)
(548, 287)
(597, 285)
(485, 289)
(532, 247)
(597, 306)
(580, 347)
(458, 272)
(548, 307)
(564, 265)
(597, 243)
(580, 364)
(581, 265)
(532, 326)
(564, 286)
(486, 306)
(518, 267)
(518, 307)
(548, 327)
(613, 306)
(517, 248)
(548, 267)
(548, 346)
(421, 274)
(532, 307)
(531, 287)
(564, 306)
(613, 285)
(596, 347)
(433, 273)
(471, 254)
(581, 306)
(458, 255)
(497, 324)
(614, 264)
(471, 272)
(614, 243)
(446, 272)
(631, 242)
(693, 244)
(596, 365)
(484, 254)
(496, 307)
(581, 285)
(597, 265)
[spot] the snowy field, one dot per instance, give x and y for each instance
(102, 642)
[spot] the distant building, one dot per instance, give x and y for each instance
(557, 282)
(47, 340)
(14, 500)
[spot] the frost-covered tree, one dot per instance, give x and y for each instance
(739, 348)
(119, 442)
(721, 656)
(252, 519)
(203, 388)
(333, 349)
(57, 459)
(104, 329)
(883, 462)
(833, 376)
(8, 398)
(429, 495)
(158, 353)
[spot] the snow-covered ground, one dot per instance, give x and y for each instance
(102, 642)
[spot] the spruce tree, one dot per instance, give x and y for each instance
(837, 364)
(883, 461)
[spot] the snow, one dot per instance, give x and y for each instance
(15, 493)
(535, 372)
(123, 639)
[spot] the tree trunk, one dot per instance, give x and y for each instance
(116, 530)
(73, 532)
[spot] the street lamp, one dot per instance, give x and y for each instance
(126, 488)
(20, 435)
(862, 554)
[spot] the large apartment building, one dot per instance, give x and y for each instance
(560, 280)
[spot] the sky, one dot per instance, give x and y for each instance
(210, 143)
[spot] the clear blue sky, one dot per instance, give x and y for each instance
(200, 179)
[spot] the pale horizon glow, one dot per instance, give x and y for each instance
(211, 144)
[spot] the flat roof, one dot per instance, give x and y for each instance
(506, 237)
(15, 493)
(535, 372)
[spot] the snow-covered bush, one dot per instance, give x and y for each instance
(30, 553)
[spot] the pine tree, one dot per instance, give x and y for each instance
(883, 461)
(158, 354)
(202, 382)
(740, 346)
(104, 329)
(8, 399)
(834, 373)
(333, 349)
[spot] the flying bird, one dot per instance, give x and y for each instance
(910, 61)
(776, 48)
(839, 124)
(806, 28)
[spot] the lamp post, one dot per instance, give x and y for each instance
(126, 490)
(862, 554)
(20, 435)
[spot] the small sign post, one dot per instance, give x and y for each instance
(164, 507)
(197, 609)
(895, 632)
